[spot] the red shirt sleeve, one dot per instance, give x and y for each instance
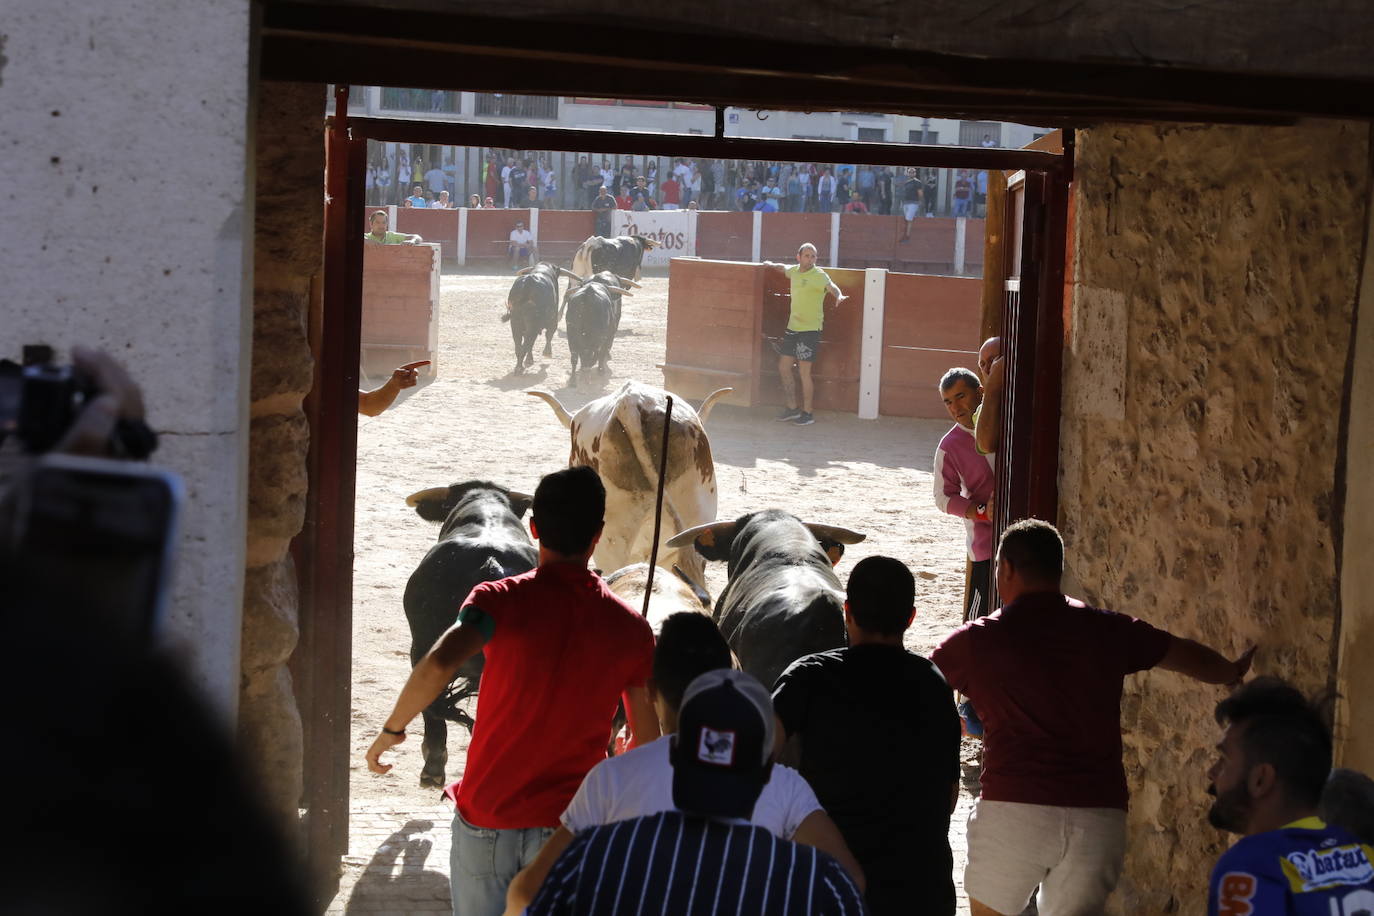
(951, 657)
(644, 652)
(1142, 645)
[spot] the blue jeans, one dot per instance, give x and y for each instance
(482, 862)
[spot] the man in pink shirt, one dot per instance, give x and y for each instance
(966, 480)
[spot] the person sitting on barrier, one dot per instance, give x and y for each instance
(521, 247)
(379, 234)
(371, 403)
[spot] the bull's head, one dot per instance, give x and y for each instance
(715, 539)
(435, 503)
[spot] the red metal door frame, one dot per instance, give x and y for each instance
(323, 551)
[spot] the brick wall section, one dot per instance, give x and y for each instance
(1217, 269)
(725, 236)
(784, 233)
(400, 304)
(431, 225)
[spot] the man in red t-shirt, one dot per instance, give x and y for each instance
(671, 193)
(561, 651)
(1045, 674)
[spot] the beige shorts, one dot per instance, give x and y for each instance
(1074, 855)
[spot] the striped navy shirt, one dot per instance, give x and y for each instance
(673, 864)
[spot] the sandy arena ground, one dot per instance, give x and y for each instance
(474, 421)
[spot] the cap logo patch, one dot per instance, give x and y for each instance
(716, 748)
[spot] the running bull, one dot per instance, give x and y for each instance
(593, 308)
(622, 255)
(532, 307)
(782, 600)
(482, 539)
(620, 436)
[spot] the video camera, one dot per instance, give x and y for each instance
(90, 538)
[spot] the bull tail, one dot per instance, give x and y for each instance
(492, 570)
(505, 316)
(562, 412)
(705, 410)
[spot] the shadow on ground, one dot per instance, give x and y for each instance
(400, 889)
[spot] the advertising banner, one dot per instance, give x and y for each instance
(674, 230)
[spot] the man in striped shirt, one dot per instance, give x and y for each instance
(704, 858)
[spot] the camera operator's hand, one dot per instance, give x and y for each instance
(119, 399)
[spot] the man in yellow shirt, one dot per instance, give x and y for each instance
(802, 339)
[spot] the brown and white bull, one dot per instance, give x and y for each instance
(673, 592)
(622, 255)
(620, 436)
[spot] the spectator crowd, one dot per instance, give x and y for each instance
(512, 180)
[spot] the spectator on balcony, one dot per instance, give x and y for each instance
(436, 179)
(550, 188)
(717, 179)
(532, 200)
(384, 181)
(963, 193)
(417, 197)
(843, 184)
(825, 191)
(505, 181)
(417, 171)
(608, 175)
(491, 176)
(883, 189)
(443, 203)
(522, 249)
(913, 192)
(856, 203)
(867, 186)
(641, 198)
(602, 205)
(794, 192)
(692, 194)
(625, 181)
(651, 173)
(670, 193)
(519, 180)
(474, 202)
(489, 204)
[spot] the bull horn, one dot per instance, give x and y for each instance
(516, 494)
(697, 588)
(524, 270)
(626, 281)
(563, 271)
(835, 533)
(623, 291)
(704, 410)
(563, 416)
(708, 532)
(420, 496)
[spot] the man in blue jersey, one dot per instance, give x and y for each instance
(1274, 760)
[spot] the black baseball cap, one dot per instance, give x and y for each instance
(722, 754)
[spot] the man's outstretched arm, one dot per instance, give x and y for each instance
(1203, 663)
(427, 680)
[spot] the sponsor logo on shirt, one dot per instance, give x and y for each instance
(1236, 891)
(1317, 869)
(716, 747)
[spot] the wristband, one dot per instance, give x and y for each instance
(399, 734)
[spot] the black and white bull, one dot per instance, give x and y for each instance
(593, 308)
(622, 255)
(782, 600)
(532, 307)
(620, 436)
(482, 539)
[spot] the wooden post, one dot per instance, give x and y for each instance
(994, 256)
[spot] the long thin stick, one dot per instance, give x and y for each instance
(658, 505)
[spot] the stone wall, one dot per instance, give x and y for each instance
(126, 154)
(1216, 271)
(288, 231)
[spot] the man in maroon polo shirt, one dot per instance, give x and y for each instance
(1045, 673)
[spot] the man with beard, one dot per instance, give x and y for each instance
(1274, 758)
(1045, 673)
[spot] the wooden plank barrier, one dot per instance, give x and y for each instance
(930, 324)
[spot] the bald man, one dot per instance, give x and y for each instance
(987, 419)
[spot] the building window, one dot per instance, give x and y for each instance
(928, 137)
(433, 101)
(503, 105)
(872, 134)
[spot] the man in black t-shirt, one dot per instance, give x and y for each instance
(880, 744)
(519, 184)
(913, 194)
(602, 205)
